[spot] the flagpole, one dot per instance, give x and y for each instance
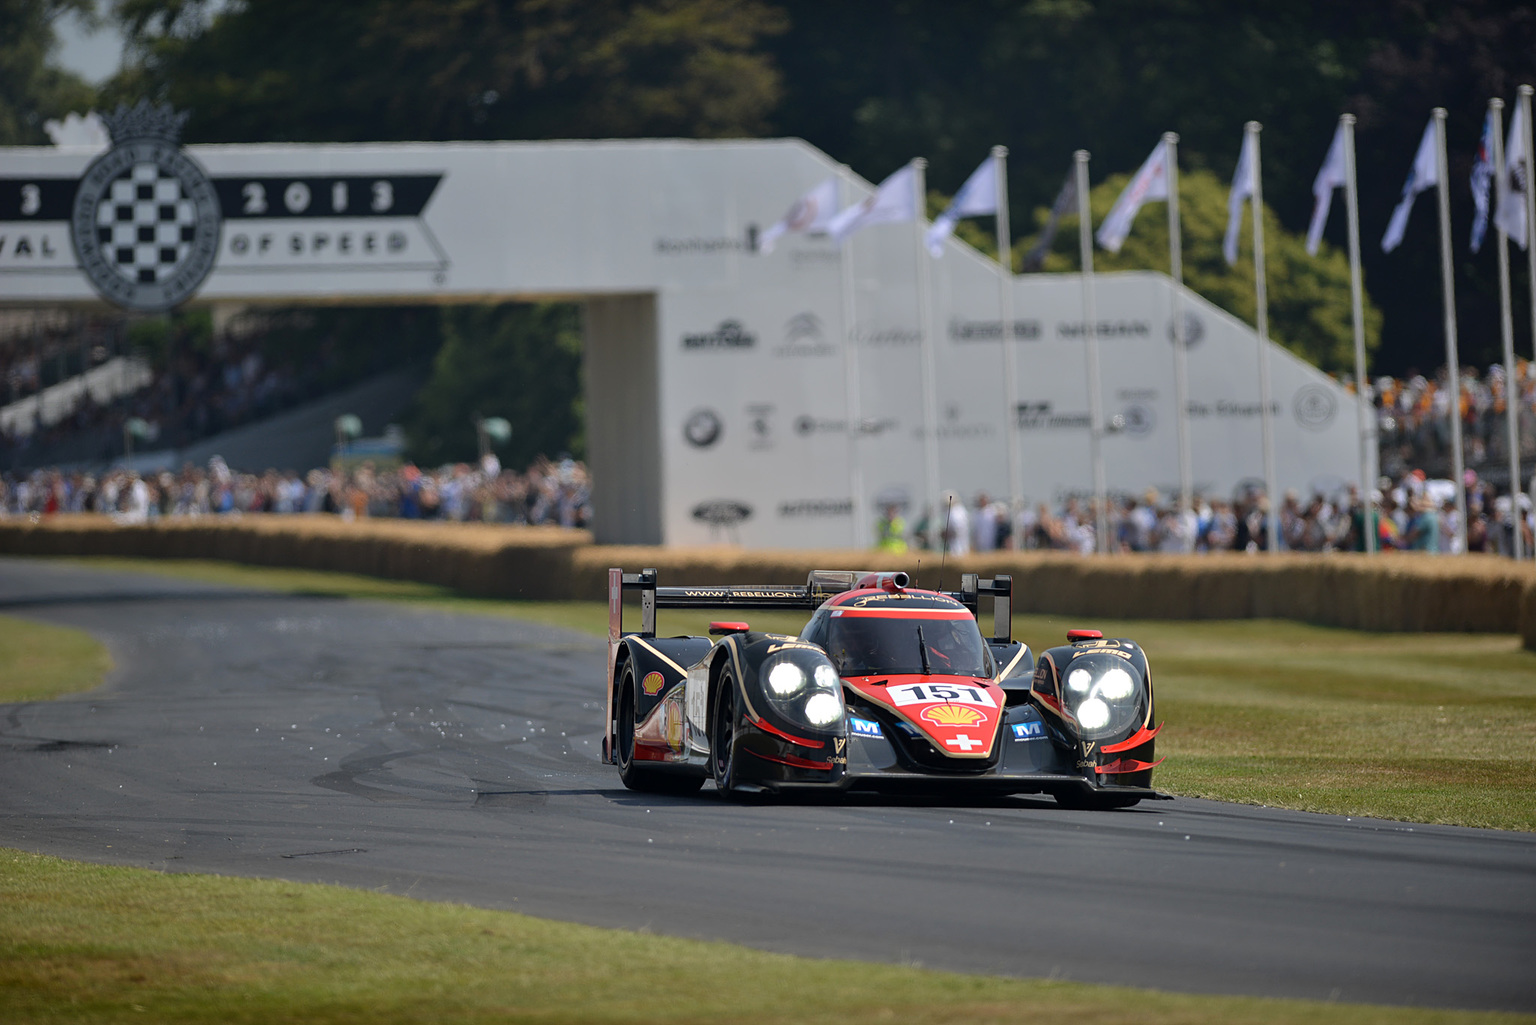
(1363, 403)
(1010, 356)
(1452, 359)
(1091, 333)
(1530, 245)
(854, 408)
(925, 336)
(1180, 355)
(1507, 327)
(1261, 297)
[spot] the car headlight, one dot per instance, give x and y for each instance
(1104, 694)
(786, 679)
(823, 709)
(804, 688)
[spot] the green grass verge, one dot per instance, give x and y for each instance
(1416, 727)
(39, 661)
(91, 943)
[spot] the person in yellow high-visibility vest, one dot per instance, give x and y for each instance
(891, 531)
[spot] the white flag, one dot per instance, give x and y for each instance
(892, 202)
(811, 214)
(1151, 182)
(1243, 186)
(1482, 180)
(1423, 175)
(976, 198)
(1329, 177)
(1510, 214)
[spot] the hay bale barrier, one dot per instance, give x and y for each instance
(1391, 593)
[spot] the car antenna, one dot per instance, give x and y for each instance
(944, 542)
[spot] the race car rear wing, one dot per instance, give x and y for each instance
(819, 586)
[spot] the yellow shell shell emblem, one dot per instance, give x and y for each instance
(653, 683)
(953, 715)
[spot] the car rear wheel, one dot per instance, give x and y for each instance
(636, 776)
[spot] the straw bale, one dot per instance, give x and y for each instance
(1474, 593)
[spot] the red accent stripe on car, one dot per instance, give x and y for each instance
(792, 761)
(1128, 765)
(771, 728)
(1142, 736)
(900, 613)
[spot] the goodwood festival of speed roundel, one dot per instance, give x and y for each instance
(146, 219)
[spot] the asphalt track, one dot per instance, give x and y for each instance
(454, 757)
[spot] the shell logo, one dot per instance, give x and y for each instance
(953, 715)
(652, 683)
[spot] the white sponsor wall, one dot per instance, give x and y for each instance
(748, 427)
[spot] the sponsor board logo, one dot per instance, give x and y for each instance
(803, 336)
(1194, 329)
(696, 245)
(954, 428)
(992, 330)
(955, 693)
(1314, 407)
(1106, 329)
(863, 728)
(1230, 410)
(1043, 416)
(887, 336)
(807, 425)
(1137, 419)
(760, 423)
(728, 334)
(952, 715)
(652, 683)
(722, 512)
(1028, 730)
(702, 428)
(810, 507)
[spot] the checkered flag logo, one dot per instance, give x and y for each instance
(146, 224)
(146, 220)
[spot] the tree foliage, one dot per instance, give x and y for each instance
(32, 88)
(1309, 303)
(294, 70)
(521, 362)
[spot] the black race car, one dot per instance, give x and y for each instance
(887, 688)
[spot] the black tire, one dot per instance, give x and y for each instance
(722, 733)
(635, 776)
(1084, 799)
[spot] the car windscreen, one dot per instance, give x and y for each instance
(872, 645)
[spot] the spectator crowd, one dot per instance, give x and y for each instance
(1415, 513)
(557, 492)
(1413, 421)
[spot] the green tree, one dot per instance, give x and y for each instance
(1309, 305)
(33, 90)
(521, 362)
(294, 70)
